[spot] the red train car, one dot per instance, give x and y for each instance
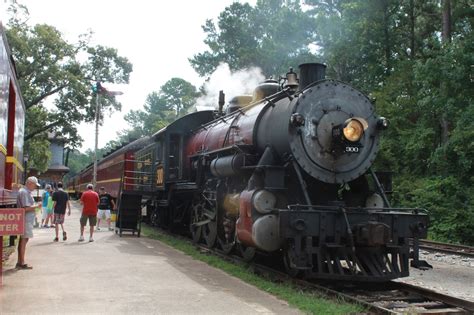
(12, 127)
(112, 169)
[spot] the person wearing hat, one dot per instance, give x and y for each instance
(25, 200)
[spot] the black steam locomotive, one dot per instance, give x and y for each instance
(286, 170)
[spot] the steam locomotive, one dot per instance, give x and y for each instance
(285, 171)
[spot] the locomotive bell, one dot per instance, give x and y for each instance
(291, 79)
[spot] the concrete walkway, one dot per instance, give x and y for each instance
(122, 275)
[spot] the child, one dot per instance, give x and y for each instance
(50, 209)
(45, 198)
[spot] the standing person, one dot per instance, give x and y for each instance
(90, 201)
(25, 200)
(50, 208)
(106, 204)
(45, 217)
(60, 202)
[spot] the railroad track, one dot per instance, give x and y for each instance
(453, 249)
(401, 298)
(379, 298)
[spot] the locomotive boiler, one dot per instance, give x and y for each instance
(286, 171)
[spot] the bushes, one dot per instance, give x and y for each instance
(450, 205)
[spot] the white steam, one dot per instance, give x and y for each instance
(241, 82)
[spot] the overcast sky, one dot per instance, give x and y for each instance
(157, 37)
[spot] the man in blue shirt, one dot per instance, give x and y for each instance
(47, 215)
(25, 200)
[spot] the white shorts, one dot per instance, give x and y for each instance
(102, 212)
(29, 222)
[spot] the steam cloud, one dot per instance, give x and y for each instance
(240, 82)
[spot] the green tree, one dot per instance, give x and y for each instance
(172, 101)
(429, 98)
(49, 68)
(273, 35)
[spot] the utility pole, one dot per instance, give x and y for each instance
(97, 117)
(99, 89)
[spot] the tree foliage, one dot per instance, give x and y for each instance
(273, 35)
(55, 79)
(172, 101)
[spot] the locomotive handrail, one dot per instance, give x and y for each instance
(140, 172)
(238, 147)
(128, 177)
(127, 185)
(338, 208)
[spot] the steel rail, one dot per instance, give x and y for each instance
(447, 248)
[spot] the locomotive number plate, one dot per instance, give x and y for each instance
(352, 149)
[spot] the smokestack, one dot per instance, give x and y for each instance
(221, 101)
(310, 73)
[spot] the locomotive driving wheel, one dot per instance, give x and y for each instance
(247, 253)
(226, 234)
(194, 226)
(209, 233)
(203, 224)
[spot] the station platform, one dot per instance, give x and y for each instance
(122, 275)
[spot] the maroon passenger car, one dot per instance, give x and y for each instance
(115, 167)
(12, 121)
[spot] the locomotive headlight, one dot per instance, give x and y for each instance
(353, 130)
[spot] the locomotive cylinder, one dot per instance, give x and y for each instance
(227, 165)
(265, 233)
(264, 201)
(310, 73)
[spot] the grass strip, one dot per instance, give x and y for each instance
(308, 302)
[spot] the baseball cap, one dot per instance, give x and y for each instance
(48, 186)
(90, 186)
(33, 179)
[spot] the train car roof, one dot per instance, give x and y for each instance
(187, 123)
(131, 146)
